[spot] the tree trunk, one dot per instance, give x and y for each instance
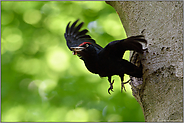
(161, 93)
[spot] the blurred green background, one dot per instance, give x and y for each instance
(42, 81)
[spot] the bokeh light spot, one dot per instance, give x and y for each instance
(10, 30)
(3, 50)
(114, 118)
(112, 30)
(54, 24)
(13, 42)
(14, 114)
(116, 30)
(57, 59)
(94, 115)
(92, 5)
(28, 66)
(77, 115)
(48, 85)
(56, 114)
(32, 16)
(7, 17)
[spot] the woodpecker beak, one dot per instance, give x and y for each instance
(77, 49)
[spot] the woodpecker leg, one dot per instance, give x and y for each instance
(111, 85)
(122, 84)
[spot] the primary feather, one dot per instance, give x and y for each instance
(75, 37)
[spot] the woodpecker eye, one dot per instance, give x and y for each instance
(87, 45)
(84, 44)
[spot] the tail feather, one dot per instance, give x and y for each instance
(133, 43)
(139, 38)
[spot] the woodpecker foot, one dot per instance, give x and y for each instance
(122, 85)
(111, 87)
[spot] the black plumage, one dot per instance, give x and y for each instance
(105, 61)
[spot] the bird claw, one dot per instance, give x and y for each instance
(122, 85)
(111, 87)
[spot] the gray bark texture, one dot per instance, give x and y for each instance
(160, 92)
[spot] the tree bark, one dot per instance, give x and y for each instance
(161, 92)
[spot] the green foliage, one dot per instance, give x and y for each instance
(42, 80)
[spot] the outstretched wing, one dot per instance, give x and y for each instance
(116, 49)
(74, 37)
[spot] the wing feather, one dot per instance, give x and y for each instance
(74, 37)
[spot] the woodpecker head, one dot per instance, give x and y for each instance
(84, 50)
(82, 47)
